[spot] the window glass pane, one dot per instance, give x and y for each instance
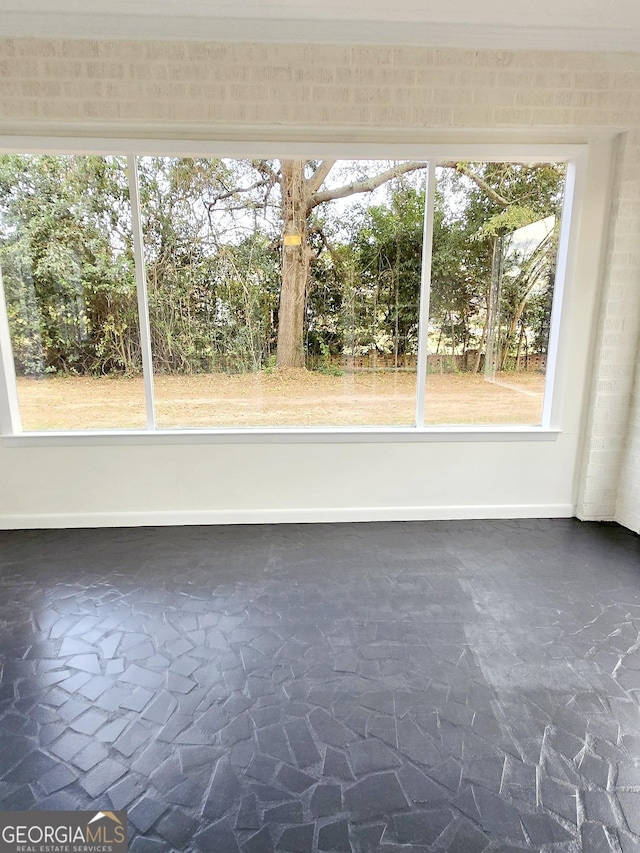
(496, 229)
(280, 296)
(67, 267)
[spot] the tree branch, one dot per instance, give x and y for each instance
(323, 238)
(364, 186)
(316, 180)
(266, 182)
(265, 168)
(463, 169)
(210, 204)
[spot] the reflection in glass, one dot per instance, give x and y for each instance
(496, 228)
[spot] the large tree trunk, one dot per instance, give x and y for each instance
(295, 265)
(299, 196)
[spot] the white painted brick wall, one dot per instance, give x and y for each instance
(104, 87)
(628, 493)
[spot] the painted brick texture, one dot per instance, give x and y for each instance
(195, 89)
(628, 503)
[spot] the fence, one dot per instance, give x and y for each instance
(436, 363)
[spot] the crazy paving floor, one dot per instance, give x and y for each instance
(445, 686)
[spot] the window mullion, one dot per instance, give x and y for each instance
(425, 293)
(10, 421)
(141, 287)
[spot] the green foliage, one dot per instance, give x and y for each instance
(67, 262)
(65, 250)
(469, 219)
(269, 365)
(213, 264)
(388, 251)
(506, 221)
(324, 364)
(211, 302)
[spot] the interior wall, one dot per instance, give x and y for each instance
(95, 486)
(628, 493)
(202, 90)
(610, 473)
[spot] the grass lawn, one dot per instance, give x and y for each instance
(295, 398)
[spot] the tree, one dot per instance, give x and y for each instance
(302, 188)
(389, 248)
(252, 260)
(494, 200)
(457, 268)
(530, 271)
(65, 250)
(212, 283)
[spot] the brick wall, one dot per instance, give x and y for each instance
(605, 490)
(628, 492)
(200, 89)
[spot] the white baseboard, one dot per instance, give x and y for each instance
(282, 516)
(582, 516)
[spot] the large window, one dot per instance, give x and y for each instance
(66, 259)
(169, 292)
(495, 245)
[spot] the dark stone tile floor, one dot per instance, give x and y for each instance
(444, 686)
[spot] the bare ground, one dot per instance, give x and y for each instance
(296, 398)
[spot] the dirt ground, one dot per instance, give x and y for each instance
(297, 398)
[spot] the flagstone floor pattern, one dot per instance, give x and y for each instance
(395, 687)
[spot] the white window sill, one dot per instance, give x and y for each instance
(280, 435)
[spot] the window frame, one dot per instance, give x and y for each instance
(574, 155)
